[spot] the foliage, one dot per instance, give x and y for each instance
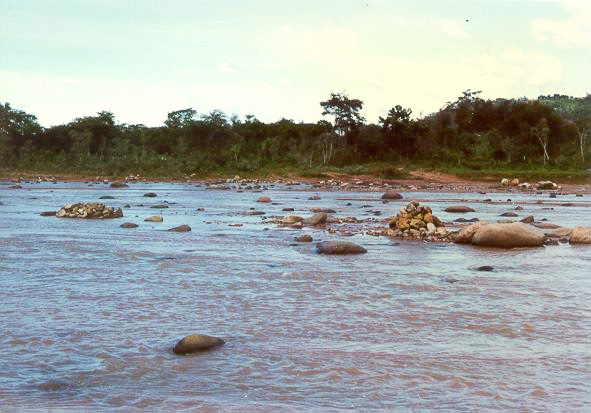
(469, 133)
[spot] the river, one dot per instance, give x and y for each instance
(89, 311)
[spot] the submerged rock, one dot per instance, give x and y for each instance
(119, 185)
(459, 209)
(155, 218)
(391, 195)
(48, 213)
(304, 238)
(264, 199)
(180, 228)
(197, 342)
(150, 195)
(128, 225)
(339, 248)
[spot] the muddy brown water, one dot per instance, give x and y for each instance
(89, 311)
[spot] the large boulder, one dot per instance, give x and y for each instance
(466, 234)
(512, 235)
(581, 235)
(458, 209)
(316, 219)
(339, 248)
(197, 342)
(391, 195)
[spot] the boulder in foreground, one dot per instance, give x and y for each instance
(339, 248)
(512, 235)
(91, 210)
(197, 342)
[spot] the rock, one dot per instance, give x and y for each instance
(528, 219)
(48, 213)
(558, 232)
(580, 235)
(159, 206)
(459, 209)
(155, 218)
(304, 238)
(327, 210)
(314, 198)
(316, 219)
(254, 212)
(514, 182)
(197, 342)
(128, 225)
(505, 182)
(509, 214)
(546, 185)
(391, 195)
(512, 235)
(107, 197)
(291, 219)
(287, 209)
(150, 195)
(264, 199)
(485, 268)
(462, 219)
(119, 185)
(339, 248)
(90, 210)
(180, 228)
(466, 234)
(545, 225)
(15, 187)
(431, 228)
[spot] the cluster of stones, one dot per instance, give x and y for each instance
(418, 222)
(91, 210)
(542, 185)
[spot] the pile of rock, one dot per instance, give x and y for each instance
(507, 182)
(418, 222)
(89, 210)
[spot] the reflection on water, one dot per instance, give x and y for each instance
(90, 310)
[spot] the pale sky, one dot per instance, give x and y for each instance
(142, 59)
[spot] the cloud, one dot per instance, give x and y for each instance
(451, 28)
(573, 30)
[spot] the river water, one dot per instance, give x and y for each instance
(89, 311)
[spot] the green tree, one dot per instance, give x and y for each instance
(346, 113)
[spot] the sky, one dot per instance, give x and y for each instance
(278, 59)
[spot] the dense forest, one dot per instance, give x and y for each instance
(471, 132)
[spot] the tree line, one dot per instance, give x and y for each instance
(470, 131)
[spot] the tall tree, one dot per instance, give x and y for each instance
(346, 113)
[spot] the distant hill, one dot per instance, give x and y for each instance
(569, 107)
